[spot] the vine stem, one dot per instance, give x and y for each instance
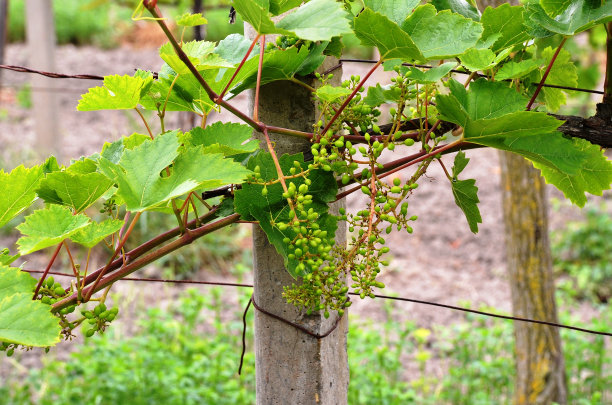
(607, 98)
(400, 164)
(550, 65)
(147, 246)
(88, 294)
(227, 86)
(129, 268)
(350, 97)
(42, 278)
(145, 122)
(279, 170)
(152, 8)
(262, 44)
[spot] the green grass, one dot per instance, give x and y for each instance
(188, 353)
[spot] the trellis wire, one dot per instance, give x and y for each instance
(23, 69)
(404, 299)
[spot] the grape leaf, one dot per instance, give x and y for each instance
(396, 43)
(395, 10)
(515, 70)
(138, 173)
(330, 93)
(461, 162)
(530, 134)
(314, 59)
(76, 190)
(506, 20)
(458, 6)
(317, 20)
(27, 322)
(18, 190)
(476, 59)
(466, 198)
(573, 16)
(118, 93)
(431, 75)
(94, 232)
(594, 177)
(226, 138)
(48, 227)
(466, 193)
(14, 281)
(191, 20)
(441, 35)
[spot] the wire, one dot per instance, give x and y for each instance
(23, 69)
(436, 304)
(467, 73)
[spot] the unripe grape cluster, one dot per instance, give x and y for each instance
(324, 266)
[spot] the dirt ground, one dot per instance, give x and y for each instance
(441, 261)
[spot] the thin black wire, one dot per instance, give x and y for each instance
(23, 69)
(554, 86)
(436, 304)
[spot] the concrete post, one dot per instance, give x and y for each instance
(3, 32)
(291, 366)
(40, 33)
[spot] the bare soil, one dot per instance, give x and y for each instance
(441, 261)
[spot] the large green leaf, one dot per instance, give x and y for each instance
(530, 134)
(18, 190)
(118, 93)
(233, 48)
(506, 23)
(573, 16)
(441, 35)
(27, 322)
(396, 10)
(462, 7)
(94, 232)
(466, 193)
(14, 281)
(378, 95)
(594, 177)
(317, 20)
(76, 190)
(226, 138)
(476, 59)
(142, 179)
(48, 227)
(395, 43)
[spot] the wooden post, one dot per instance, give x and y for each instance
(291, 366)
(40, 33)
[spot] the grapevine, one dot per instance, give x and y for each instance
(355, 147)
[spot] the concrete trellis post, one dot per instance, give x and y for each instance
(291, 366)
(40, 32)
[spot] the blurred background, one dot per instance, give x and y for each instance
(180, 344)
